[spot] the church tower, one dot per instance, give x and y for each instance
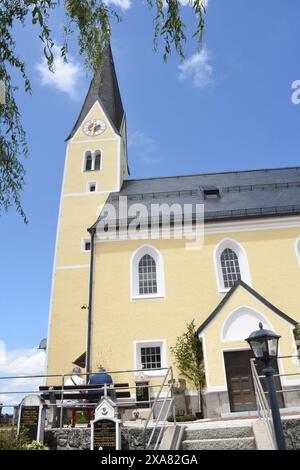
(95, 166)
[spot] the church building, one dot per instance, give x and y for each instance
(121, 301)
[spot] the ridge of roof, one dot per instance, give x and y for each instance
(251, 291)
(188, 175)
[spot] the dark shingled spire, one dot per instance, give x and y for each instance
(104, 88)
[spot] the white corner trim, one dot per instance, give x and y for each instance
(243, 262)
(55, 256)
(297, 249)
(134, 281)
(107, 139)
(73, 266)
(91, 193)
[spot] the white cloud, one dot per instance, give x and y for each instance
(198, 68)
(124, 4)
(185, 3)
(143, 146)
(66, 75)
(20, 362)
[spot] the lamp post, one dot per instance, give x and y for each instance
(264, 344)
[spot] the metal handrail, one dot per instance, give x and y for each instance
(63, 392)
(264, 412)
(157, 400)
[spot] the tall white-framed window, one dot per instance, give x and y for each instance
(92, 160)
(150, 354)
(147, 273)
(231, 264)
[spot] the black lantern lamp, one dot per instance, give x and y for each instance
(264, 344)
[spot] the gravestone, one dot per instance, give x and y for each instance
(142, 390)
(32, 417)
(105, 429)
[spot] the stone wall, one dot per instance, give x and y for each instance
(79, 438)
(68, 439)
(291, 429)
(132, 438)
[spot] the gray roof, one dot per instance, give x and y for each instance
(243, 194)
(104, 88)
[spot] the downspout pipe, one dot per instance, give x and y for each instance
(92, 232)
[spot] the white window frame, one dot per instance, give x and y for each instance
(134, 270)
(88, 187)
(83, 242)
(150, 343)
(93, 153)
(242, 258)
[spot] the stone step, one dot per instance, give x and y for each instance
(244, 443)
(218, 433)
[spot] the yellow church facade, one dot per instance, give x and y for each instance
(122, 301)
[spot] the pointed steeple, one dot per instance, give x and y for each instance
(104, 88)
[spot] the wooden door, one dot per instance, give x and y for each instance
(239, 380)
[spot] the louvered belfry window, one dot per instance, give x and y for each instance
(147, 275)
(97, 160)
(230, 268)
(88, 161)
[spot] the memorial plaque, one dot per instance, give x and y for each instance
(31, 417)
(104, 437)
(30, 420)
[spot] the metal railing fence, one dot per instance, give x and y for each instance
(154, 397)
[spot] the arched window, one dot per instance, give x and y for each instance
(88, 161)
(147, 275)
(92, 160)
(230, 268)
(231, 264)
(97, 163)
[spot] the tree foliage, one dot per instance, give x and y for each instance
(91, 20)
(188, 355)
(297, 332)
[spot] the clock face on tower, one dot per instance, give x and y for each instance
(94, 127)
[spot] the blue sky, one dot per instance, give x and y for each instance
(226, 108)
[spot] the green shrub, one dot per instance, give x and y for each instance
(36, 445)
(10, 440)
(182, 419)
